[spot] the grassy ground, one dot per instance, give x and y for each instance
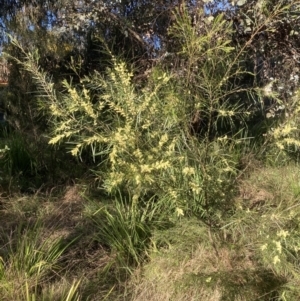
(50, 249)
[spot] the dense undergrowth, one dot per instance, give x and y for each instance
(164, 190)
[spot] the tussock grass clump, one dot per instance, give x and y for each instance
(27, 261)
(125, 229)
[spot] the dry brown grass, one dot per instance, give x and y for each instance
(191, 271)
(203, 275)
(60, 216)
(187, 262)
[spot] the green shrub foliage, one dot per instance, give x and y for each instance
(172, 138)
(179, 135)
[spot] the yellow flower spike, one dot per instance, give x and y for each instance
(179, 212)
(276, 260)
(188, 171)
